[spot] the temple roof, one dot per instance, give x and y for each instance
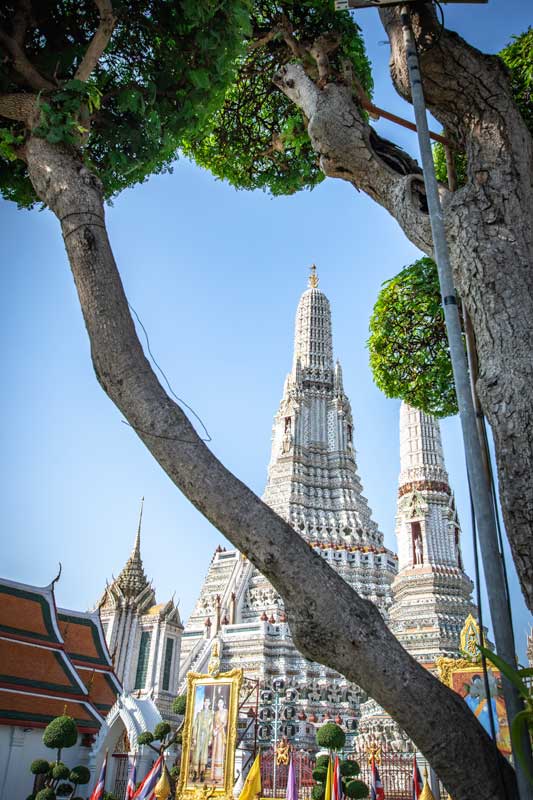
(49, 661)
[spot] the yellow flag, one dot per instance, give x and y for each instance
(252, 784)
(162, 788)
(329, 778)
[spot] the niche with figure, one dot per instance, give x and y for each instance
(416, 538)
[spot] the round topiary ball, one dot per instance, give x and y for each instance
(64, 790)
(60, 772)
(46, 794)
(161, 730)
(349, 768)
(179, 704)
(320, 774)
(145, 738)
(60, 733)
(356, 789)
(318, 791)
(322, 762)
(80, 775)
(40, 766)
(330, 736)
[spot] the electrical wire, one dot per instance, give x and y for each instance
(181, 402)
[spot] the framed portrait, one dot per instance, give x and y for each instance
(209, 734)
(467, 680)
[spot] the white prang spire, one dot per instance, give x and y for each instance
(312, 479)
(431, 591)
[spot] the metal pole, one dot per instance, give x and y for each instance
(484, 510)
(276, 716)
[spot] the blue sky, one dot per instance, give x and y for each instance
(215, 275)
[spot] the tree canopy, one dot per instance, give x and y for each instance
(258, 139)
(409, 353)
(163, 70)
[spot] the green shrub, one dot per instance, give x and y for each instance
(356, 789)
(349, 768)
(320, 774)
(80, 775)
(330, 736)
(318, 791)
(161, 730)
(322, 762)
(179, 704)
(60, 772)
(145, 738)
(64, 790)
(60, 733)
(40, 766)
(46, 794)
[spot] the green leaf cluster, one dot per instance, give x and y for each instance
(258, 138)
(179, 704)
(60, 733)
(164, 72)
(330, 736)
(409, 353)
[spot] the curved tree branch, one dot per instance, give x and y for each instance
(99, 41)
(22, 65)
(349, 634)
(350, 149)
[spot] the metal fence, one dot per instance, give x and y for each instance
(274, 781)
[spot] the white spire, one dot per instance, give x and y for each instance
(313, 344)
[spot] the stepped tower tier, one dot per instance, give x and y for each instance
(431, 592)
(312, 480)
(312, 483)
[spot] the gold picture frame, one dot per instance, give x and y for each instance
(209, 735)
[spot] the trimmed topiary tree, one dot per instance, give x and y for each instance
(163, 734)
(179, 705)
(60, 780)
(332, 737)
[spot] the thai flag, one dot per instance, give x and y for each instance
(132, 780)
(417, 781)
(98, 791)
(336, 784)
(377, 791)
(146, 789)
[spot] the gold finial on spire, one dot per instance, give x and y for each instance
(313, 277)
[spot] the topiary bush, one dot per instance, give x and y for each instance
(356, 789)
(349, 768)
(60, 772)
(320, 774)
(145, 738)
(80, 775)
(64, 790)
(46, 794)
(40, 766)
(179, 704)
(330, 736)
(318, 791)
(60, 733)
(322, 762)
(161, 731)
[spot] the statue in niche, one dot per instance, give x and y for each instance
(416, 534)
(458, 554)
(287, 435)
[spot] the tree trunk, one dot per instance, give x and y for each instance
(348, 635)
(488, 225)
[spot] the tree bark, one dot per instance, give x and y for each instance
(488, 224)
(349, 635)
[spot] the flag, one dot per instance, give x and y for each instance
(98, 791)
(163, 788)
(376, 787)
(252, 784)
(132, 780)
(336, 783)
(292, 789)
(329, 781)
(146, 790)
(417, 781)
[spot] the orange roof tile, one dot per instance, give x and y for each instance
(84, 638)
(36, 711)
(28, 611)
(37, 668)
(102, 687)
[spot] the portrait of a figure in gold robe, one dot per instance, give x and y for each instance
(209, 734)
